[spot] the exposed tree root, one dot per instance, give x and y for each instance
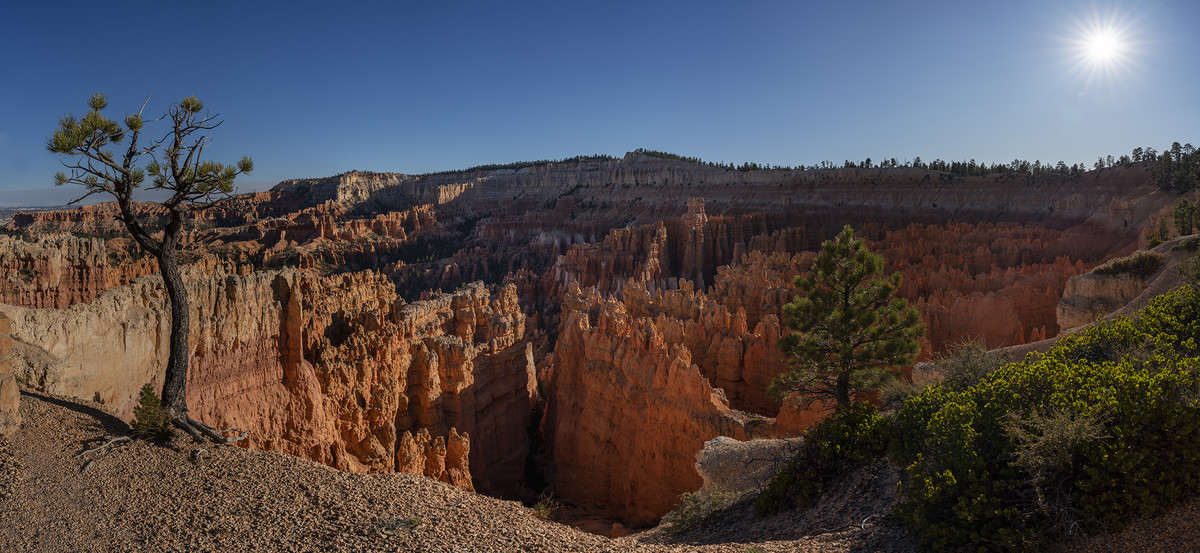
(106, 445)
(110, 446)
(200, 431)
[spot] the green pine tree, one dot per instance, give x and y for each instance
(850, 332)
(1185, 217)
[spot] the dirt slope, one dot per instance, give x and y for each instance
(147, 497)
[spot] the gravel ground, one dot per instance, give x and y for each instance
(846, 518)
(175, 497)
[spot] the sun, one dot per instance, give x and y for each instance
(1103, 46)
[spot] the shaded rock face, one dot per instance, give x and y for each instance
(1089, 297)
(627, 411)
(10, 393)
(338, 370)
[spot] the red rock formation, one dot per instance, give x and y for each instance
(627, 412)
(10, 393)
(333, 369)
(442, 458)
(60, 270)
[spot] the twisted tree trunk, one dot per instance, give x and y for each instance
(174, 392)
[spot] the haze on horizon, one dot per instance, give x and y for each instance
(314, 89)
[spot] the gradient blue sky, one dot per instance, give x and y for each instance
(314, 89)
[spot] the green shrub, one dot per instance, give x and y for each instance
(1141, 263)
(546, 505)
(150, 420)
(698, 507)
(1102, 428)
(852, 436)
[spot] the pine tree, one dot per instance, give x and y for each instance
(1185, 217)
(175, 168)
(850, 332)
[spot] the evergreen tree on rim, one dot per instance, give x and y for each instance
(175, 168)
(850, 332)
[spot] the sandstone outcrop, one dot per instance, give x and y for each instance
(627, 411)
(742, 466)
(1089, 297)
(333, 369)
(10, 393)
(59, 270)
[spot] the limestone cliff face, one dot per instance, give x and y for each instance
(1090, 296)
(10, 393)
(627, 411)
(338, 370)
(59, 270)
(739, 359)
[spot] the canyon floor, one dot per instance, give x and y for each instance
(182, 496)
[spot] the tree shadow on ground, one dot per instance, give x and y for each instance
(105, 422)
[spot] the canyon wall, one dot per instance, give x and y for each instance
(338, 370)
(10, 393)
(59, 270)
(627, 412)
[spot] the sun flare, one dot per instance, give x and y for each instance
(1103, 47)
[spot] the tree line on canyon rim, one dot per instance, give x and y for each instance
(1103, 427)
(1177, 167)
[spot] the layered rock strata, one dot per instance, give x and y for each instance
(338, 370)
(1089, 297)
(10, 393)
(627, 411)
(59, 270)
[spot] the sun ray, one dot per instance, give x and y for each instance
(1102, 47)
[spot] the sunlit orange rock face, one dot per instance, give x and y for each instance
(365, 380)
(335, 369)
(61, 270)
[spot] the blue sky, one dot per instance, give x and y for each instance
(314, 89)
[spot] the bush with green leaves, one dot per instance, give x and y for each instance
(852, 436)
(150, 419)
(1103, 427)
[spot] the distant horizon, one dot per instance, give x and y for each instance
(312, 88)
(29, 198)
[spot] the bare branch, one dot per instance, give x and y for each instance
(118, 439)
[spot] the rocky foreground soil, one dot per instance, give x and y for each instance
(182, 496)
(198, 497)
